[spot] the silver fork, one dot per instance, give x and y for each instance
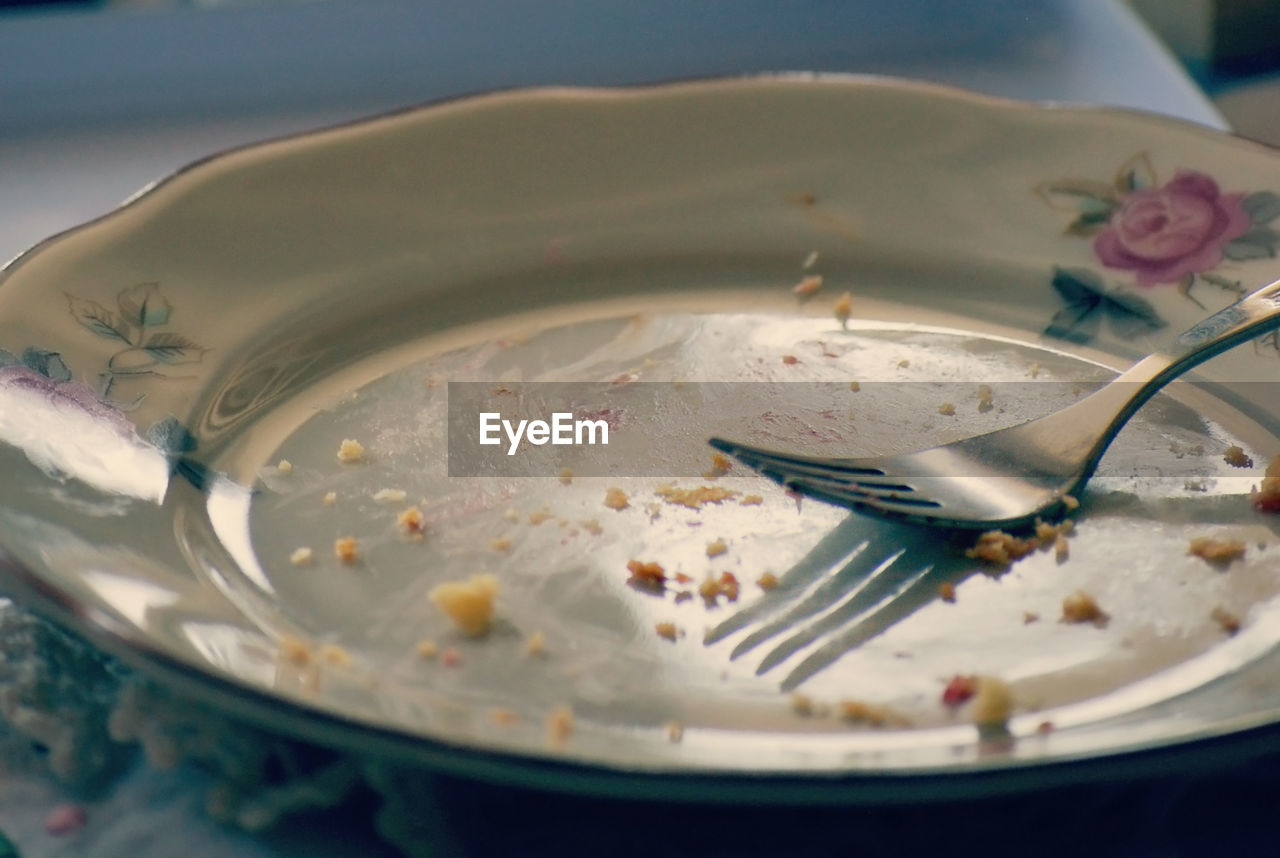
(1006, 478)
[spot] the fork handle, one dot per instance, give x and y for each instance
(1098, 417)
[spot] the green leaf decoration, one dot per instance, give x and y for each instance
(1222, 282)
(47, 363)
(1089, 223)
(144, 306)
(171, 436)
(7, 849)
(98, 319)
(1257, 243)
(173, 348)
(1074, 194)
(7, 358)
(1184, 289)
(1135, 174)
(1262, 206)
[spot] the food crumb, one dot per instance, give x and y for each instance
(720, 466)
(335, 655)
(808, 287)
(1080, 607)
(674, 731)
(647, 575)
(285, 467)
(616, 498)
(566, 476)
(767, 581)
(790, 360)
(330, 498)
(1266, 498)
(1034, 370)
(843, 309)
(752, 500)
(64, 819)
(560, 724)
(389, 496)
(1000, 548)
(694, 498)
(295, 651)
(537, 517)
(712, 588)
(535, 644)
(511, 514)
(668, 630)
(350, 451)
(854, 386)
(861, 712)
(301, 556)
(1061, 548)
(501, 544)
(1070, 503)
(904, 363)
(346, 549)
(411, 520)
(947, 409)
(426, 649)
(803, 704)
(503, 717)
(451, 657)
(1227, 621)
(993, 703)
(959, 690)
(592, 526)
(1218, 551)
(810, 260)
(947, 592)
(469, 604)
(715, 549)
(1236, 457)
(984, 398)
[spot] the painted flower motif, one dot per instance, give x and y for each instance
(44, 372)
(1166, 234)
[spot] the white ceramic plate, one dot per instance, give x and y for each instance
(159, 363)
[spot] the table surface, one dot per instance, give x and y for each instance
(94, 105)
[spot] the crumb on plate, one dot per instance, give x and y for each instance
(350, 451)
(807, 287)
(285, 467)
(767, 581)
(301, 556)
(668, 630)
(843, 308)
(616, 498)
(535, 644)
(694, 498)
(1219, 551)
(674, 731)
(566, 476)
(1227, 621)
(330, 498)
(389, 496)
(411, 521)
(501, 544)
(993, 703)
(1000, 548)
(560, 724)
(1236, 457)
(469, 604)
(295, 651)
(984, 398)
(1266, 498)
(715, 549)
(752, 500)
(346, 549)
(947, 592)
(1081, 607)
(426, 649)
(947, 409)
(647, 575)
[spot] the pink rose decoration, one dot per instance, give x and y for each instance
(1164, 234)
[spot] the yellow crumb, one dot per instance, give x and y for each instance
(984, 398)
(510, 514)
(346, 549)
(1236, 457)
(330, 498)
(946, 409)
(592, 526)
(674, 731)
(854, 386)
(426, 649)
(993, 703)
(720, 466)
(790, 360)
(947, 592)
(808, 287)
(767, 581)
(810, 260)
(335, 655)
(389, 496)
(1034, 370)
(411, 520)
(616, 498)
(1226, 620)
(752, 500)
(539, 516)
(285, 467)
(843, 308)
(1080, 607)
(566, 476)
(860, 712)
(1061, 547)
(560, 724)
(535, 644)
(1220, 551)
(1070, 503)
(667, 630)
(802, 704)
(470, 603)
(1000, 548)
(904, 363)
(502, 543)
(301, 556)
(694, 498)
(350, 451)
(295, 651)
(503, 717)
(715, 549)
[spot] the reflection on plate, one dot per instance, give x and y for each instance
(179, 379)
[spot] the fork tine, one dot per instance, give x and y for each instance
(759, 457)
(842, 494)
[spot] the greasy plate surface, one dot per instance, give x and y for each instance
(158, 365)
